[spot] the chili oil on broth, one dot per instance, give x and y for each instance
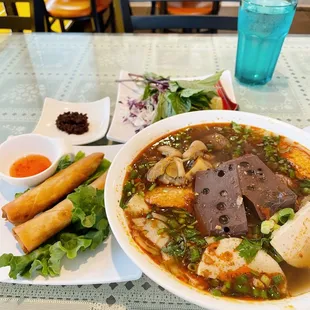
(242, 140)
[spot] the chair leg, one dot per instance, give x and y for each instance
(98, 22)
(112, 17)
(48, 24)
(62, 25)
(153, 8)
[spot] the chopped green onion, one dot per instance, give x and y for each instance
(242, 288)
(274, 293)
(133, 174)
(285, 215)
(216, 292)
(266, 280)
(179, 211)
(227, 284)
(264, 294)
(194, 255)
(243, 279)
(291, 173)
(275, 218)
(214, 282)
(192, 267)
(181, 220)
(255, 273)
(306, 191)
(173, 223)
(256, 292)
(152, 187)
(278, 279)
(267, 227)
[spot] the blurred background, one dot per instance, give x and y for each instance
(106, 15)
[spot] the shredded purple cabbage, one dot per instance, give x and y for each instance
(140, 113)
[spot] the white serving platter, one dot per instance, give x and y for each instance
(122, 132)
(108, 263)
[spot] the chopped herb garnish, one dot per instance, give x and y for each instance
(248, 249)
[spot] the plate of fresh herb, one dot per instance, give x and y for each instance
(148, 98)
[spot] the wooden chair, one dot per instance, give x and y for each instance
(78, 10)
(17, 23)
(163, 21)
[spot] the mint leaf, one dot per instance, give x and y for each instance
(188, 92)
(161, 108)
(179, 105)
(207, 84)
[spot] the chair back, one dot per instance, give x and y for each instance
(214, 21)
(36, 21)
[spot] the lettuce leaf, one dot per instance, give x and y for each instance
(88, 230)
(103, 167)
(66, 160)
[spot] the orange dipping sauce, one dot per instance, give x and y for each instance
(29, 165)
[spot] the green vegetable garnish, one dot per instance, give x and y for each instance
(278, 279)
(285, 215)
(103, 167)
(65, 161)
(79, 155)
(216, 292)
(19, 194)
(248, 249)
(236, 127)
(267, 227)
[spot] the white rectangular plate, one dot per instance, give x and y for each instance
(98, 113)
(108, 263)
(122, 132)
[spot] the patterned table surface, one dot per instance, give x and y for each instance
(83, 68)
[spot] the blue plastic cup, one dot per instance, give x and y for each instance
(262, 28)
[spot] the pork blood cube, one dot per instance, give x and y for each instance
(261, 187)
(219, 207)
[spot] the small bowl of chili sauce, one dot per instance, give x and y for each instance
(28, 160)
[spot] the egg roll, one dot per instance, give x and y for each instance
(51, 191)
(36, 231)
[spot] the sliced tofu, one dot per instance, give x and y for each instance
(222, 261)
(166, 197)
(136, 206)
(150, 228)
(292, 240)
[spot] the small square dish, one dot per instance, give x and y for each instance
(107, 263)
(121, 131)
(98, 113)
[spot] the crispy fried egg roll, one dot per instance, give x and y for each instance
(36, 231)
(51, 191)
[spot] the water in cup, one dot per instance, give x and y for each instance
(262, 28)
